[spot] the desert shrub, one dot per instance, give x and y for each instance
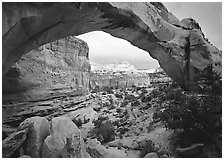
(135, 103)
(125, 112)
(145, 106)
(124, 103)
(99, 121)
(148, 148)
(86, 120)
(144, 90)
(145, 98)
(175, 95)
(118, 110)
(104, 131)
(150, 127)
(138, 88)
(118, 95)
(111, 106)
(190, 112)
(122, 130)
(130, 97)
(109, 90)
(78, 122)
(155, 93)
(95, 90)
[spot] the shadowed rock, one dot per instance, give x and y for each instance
(13, 142)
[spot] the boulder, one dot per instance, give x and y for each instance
(95, 149)
(115, 153)
(151, 155)
(164, 156)
(13, 142)
(38, 131)
(64, 140)
(193, 150)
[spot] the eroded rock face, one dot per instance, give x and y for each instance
(119, 74)
(59, 66)
(148, 26)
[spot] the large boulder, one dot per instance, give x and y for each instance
(151, 155)
(64, 140)
(38, 130)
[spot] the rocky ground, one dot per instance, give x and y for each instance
(109, 123)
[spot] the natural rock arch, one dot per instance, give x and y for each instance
(148, 26)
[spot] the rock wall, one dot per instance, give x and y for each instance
(56, 68)
(118, 80)
(148, 26)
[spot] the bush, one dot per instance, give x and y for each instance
(145, 98)
(135, 103)
(118, 110)
(125, 112)
(122, 130)
(118, 95)
(130, 97)
(99, 121)
(124, 103)
(190, 112)
(78, 122)
(109, 90)
(175, 95)
(104, 131)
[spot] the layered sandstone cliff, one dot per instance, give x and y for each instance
(122, 74)
(117, 75)
(53, 69)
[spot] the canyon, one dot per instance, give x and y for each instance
(122, 74)
(61, 105)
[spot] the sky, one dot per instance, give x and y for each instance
(106, 49)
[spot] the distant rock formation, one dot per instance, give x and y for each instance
(179, 46)
(55, 68)
(120, 74)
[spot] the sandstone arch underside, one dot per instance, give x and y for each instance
(179, 46)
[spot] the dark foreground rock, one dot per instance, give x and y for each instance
(13, 142)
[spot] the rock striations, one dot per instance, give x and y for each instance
(119, 74)
(58, 67)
